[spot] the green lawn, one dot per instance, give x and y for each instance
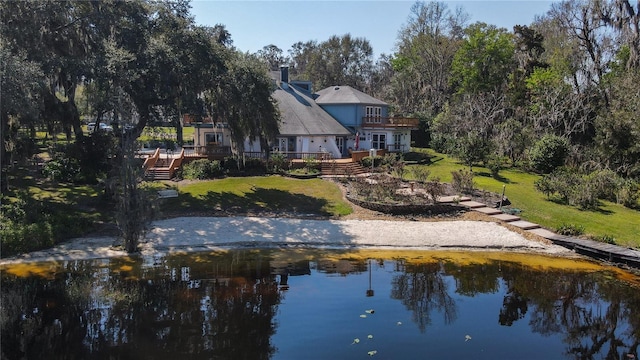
(275, 194)
(622, 223)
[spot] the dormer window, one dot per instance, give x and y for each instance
(373, 114)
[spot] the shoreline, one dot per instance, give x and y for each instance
(189, 234)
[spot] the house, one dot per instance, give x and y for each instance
(209, 137)
(305, 126)
(329, 124)
(368, 118)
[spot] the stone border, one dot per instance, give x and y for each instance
(406, 209)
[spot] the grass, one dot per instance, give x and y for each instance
(610, 219)
(281, 195)
(246, 195)
(164, 132)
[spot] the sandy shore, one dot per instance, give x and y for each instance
(210, 233)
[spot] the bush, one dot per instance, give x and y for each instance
(27, 224)
(256, 166)
(20, 238)
(548, 153)
(62, 168)
(395, 165)
(627, 194)
(278, 163)
(568, 186)
(25, 148)
(605, 183)
(435, 189)
(230, 164)
(421, 173)
(584, 196)
(83, 161)
(311, 164)
(561, 183)
(607, 239)
(202, 169)
(496, 163)
(462, 181)
(367, 160)
(570, 230)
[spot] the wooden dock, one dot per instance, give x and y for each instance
(595, 249)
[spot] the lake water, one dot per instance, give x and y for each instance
(320, 304)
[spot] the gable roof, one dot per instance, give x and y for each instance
(302, 116)
(346, 95)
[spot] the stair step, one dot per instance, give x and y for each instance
(352, 168)
(158, 173)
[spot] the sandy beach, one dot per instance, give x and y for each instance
(215, 233)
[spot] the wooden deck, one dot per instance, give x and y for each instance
(608, 252)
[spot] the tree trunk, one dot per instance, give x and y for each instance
(179, 131)
(4, 131)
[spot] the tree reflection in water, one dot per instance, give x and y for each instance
(225, 305)
(224, 310)
(423, 289)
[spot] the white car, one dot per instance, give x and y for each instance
(103, 126)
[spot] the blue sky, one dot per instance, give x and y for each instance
(254, 24)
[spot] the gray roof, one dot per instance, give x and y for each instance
(302, 116)
(346, 95)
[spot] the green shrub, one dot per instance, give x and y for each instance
(628, 194)
(25, 148)
(421, 173)
(561, 183)
(255, 166)
(462, 181)
(27, 224)
(570, 230)
(584, 195)
(568, 186)
(202, 169)
(608, 239)
(496, 163)
(605, 183)
(548, 153)
(394, 163)
(367, 160)
(230, 164)
(17, 238)
(84, 161)
(311, 164)
(62, 168)
(278, 163)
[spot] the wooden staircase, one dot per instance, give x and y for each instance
(336, 168)
(156, 168)
(160, 171)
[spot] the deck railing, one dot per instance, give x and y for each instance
(151, 161)
(175, 164)
(296, 155)
(390, 122)
(397, 148)
(204, 150)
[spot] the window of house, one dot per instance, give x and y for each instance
(283, 144)
(340, 144)
(373, 114)
(397, 141)
(379, 141)
(213, 137)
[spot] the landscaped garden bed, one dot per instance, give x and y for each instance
(390, 195)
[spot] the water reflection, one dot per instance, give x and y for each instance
(235, 305)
